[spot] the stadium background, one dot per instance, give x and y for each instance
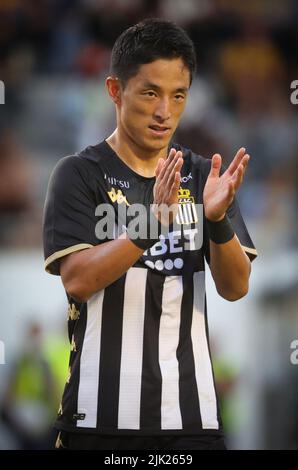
(54, 56)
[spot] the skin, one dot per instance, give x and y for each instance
(156, 96)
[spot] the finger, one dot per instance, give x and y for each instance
(215, 165)
(157, 175)
(236, 161)
(173, 192)
(176, 183)
(245, 161)
(167, 162)
(238, 177)
(172, 153)
(240, 172)
(231, 192)
(172, 185)
(159, 167)
(176, 168)
(171, 166)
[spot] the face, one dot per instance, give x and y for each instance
(150, 105)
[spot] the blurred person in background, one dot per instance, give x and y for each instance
(226, 378)
(30, 399)
(140, 374)
(14, 188)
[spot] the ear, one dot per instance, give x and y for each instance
(114, 89)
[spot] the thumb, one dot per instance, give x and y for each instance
(215, 165)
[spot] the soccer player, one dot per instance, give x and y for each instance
(140, 373)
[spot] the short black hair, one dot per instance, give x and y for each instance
(147, 41)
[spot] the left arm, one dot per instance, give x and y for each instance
(230, 266)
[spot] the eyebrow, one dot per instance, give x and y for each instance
(152, 86)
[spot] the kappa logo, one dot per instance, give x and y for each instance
(73, 312)
(187, 213)
(184, 179)
(117, 196)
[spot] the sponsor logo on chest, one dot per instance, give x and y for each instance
(115, 182)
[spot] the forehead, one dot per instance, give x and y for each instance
(163, 73)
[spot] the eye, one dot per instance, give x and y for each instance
(179, 98)
(150, 94)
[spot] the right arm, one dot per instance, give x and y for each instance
(85, 272)
(88, 271)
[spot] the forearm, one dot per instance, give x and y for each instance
(88, 271)
(230, 268)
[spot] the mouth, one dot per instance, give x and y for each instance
(159, 130)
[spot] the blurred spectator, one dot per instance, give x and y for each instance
(251, 68)
(186, 11)
(56, 350)
(30, 400)
(15, 183)
(226, 381)
(92, 60)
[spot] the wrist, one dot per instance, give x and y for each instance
(220, 231)
(216, 220)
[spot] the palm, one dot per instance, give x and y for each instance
(219, 190)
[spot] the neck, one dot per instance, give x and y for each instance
(140, 160)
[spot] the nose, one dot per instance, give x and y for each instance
(162, 111)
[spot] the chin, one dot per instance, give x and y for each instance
(156, 144)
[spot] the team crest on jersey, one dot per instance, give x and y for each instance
(187, 213)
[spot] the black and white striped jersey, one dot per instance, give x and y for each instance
(140, 360)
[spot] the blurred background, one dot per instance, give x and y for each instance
(54, 57)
